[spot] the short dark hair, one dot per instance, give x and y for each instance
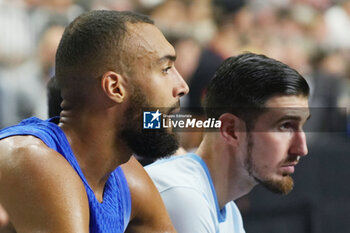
(242, 84)
(54, 98)
(92, 43)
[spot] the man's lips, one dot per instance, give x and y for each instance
(289, 167)
(290, 164)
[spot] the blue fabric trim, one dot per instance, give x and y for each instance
(127, 200)
(26, 130)
(160, 161)
(221, 213)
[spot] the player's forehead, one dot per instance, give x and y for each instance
(287, 101)
(147, 40)
(291, 106)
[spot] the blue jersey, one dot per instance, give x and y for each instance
(113, 214)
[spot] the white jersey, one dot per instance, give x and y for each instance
(188, 193)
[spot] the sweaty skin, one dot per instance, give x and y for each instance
(3, 215)
(148, 212)
(42, 192)
(37, 199)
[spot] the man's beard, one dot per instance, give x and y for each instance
(283, 186)
(149, 144)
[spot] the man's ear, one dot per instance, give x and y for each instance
(230, 128)
(114, 85)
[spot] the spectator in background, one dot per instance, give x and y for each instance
(222, 45)
(45, 64)
(337, 20)
(117, 5)
(17, 46)
(25, 95)
(26, 25)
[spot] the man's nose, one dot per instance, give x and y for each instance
(299, 146)
(181, 88)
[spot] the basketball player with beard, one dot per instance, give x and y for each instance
(142, 190)
(262, 105)
(64, 174)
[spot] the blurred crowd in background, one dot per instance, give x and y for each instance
(312, 36)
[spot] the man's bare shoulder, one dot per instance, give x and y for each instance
(148, 211)
(39, 189)
(140, 184)
(29, 154)
(135, 173)
(19, 143)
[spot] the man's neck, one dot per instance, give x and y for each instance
(96, 146)
(226, 172)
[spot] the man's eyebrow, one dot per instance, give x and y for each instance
(166, 58)
(292, 117)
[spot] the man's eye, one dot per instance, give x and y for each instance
(166, 70)
(286, 126)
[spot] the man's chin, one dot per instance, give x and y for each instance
(282, 186)
(153, 144)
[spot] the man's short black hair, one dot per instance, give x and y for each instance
(54, 98)
(243, 83)
(92, 44)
